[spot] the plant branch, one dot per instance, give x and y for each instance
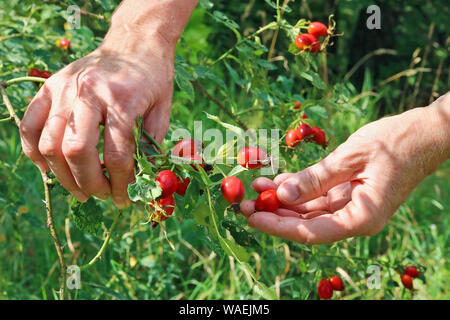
(220, 105)
(51, 227)
(24, 79)
(82, 12)
(105, 243)
(8, 105)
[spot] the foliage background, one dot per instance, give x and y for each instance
(141, 264)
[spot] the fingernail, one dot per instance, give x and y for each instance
(288, 192)
(121, 203)
(102, 196)
(81, 197)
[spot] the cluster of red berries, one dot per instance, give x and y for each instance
(39, 73)
(407, 277)
(305, 133)
(326, 287)
(308, 41)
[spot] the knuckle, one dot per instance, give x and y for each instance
(117, 159)
(48, 149)
(313, 180)
(73, 149)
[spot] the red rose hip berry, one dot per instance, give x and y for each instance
(303, 41)
(317, 29)
(232, 190)
(186, 147)
(182, 186)
(267, 201)
(325, 289)
(165, 204)
(292, 139)
(412, 271)
(304, 131)
(407, 281)
(34, 73)
(251, 157)
(319, 137)
(168, 182)
(337, 283)
(297, 104)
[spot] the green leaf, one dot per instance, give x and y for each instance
(262, 290)
(87, 216)
(185, 86)
(318, 110)
(314, 79)
(266, 64)
(234, 250)
(240, 235)
(234, 75)
(144, 189)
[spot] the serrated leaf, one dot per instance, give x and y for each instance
(87, 216)
(240, 235)
(232, 249)
(144, 189)
(185, 86)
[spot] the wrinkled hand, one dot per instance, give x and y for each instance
(356, 189)
(111, 87)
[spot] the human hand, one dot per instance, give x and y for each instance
(111, 87)
(356, 189)
(129, 75)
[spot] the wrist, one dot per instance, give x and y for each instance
(148, 26)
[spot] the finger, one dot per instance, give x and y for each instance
(50, 147)
(282, 212)
(118, 151)
(316, 180)
(79, 147)
(32, 124)
(156, 122)
(355, 219)
(314, 214)
(335, 199)
(282, 177)
(247, 207)
(262, 184)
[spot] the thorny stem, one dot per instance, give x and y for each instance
(51, 227)
(8, 105)
(105, 243)
(47, 201)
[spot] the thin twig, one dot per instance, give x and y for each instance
(82, 12)
(367, 57)
(51, 227)
(220, 105)
(105, 243)
(24, 79)
(9, 106)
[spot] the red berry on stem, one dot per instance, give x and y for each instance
(304, 131)
(317, 29)
(292, 138)
(168, 182)
(167, 204)
(325, 289)
(319, 137)
(314, 43)
(302, 41)
(304, 116)
(412, 271)
(297, 104)
(407, 281)
(251, 157)
(34, 73)
(267, 201)
(64, 43)
(232, 190)
(337, 283)
(45, 74)
(182, 185)
(186, 147)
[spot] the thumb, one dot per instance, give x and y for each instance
(315, 181)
